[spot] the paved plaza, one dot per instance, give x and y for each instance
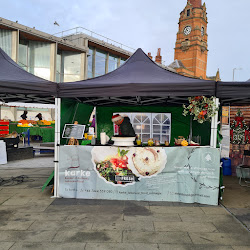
(31, 219)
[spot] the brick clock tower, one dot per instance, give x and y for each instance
(191, 43)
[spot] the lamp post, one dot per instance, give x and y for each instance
(234, 70)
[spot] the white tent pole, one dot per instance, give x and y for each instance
(216, 122)
(57, 144)
(212, 128)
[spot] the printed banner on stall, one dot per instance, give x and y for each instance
(179, 174)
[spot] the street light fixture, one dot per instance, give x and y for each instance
(234, 70)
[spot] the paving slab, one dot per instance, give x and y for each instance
(241, 247)
(207, 218)
(123, 225)
(15, 225)
(6, 245)
(120, 246)
(176, 210)
(93, 217)
(214, 210)
(57, 225)
(235, 227)
(154, 217)
(193, 247)
(47, 246)
(39, 216)
(88, 236)
(184, 227)
(156, 237)
(24, 208)
(31, 236)
(221, 239)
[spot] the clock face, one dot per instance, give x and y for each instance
(202, 31)
(187, 30)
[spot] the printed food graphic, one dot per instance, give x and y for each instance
(115, 168)
(149, 161)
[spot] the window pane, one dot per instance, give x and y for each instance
(39, 59)
(156, 129)
(122, 61)
(137, 129)
(113, 61)
(145, 137)
(6, 41)
(145, 128)
(23, 55)
(71, 66)
(99, 65)
(156, 137)
(167, 121)
(165, 129)
(90, 63)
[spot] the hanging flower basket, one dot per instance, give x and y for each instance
(201, 107)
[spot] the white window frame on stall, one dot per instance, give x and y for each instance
(164, 123)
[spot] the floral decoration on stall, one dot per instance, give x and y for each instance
(201, 107)
(239, 133)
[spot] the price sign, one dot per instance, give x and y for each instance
(73, 130)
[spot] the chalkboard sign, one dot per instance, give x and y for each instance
(73, 130)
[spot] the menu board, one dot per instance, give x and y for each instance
(73, 130)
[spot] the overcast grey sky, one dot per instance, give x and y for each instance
(146, 24)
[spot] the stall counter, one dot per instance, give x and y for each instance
(175, 174)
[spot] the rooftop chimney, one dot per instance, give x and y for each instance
(158, 57)
(196, 3)
(149, 55)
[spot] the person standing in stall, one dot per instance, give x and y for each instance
(125, 127)
(24, 115)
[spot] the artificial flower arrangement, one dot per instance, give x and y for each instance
(201, 107)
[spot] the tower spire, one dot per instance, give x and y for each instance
(195, 3)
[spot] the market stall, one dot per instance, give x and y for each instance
(186, 174)
(46, 132)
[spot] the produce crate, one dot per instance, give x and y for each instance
(4, 128)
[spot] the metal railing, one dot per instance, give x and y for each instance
(81, 30)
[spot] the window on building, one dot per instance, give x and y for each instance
(23, 55)
(90, 62)
(39, 59)
(68, 66)
(34, 57)
(100, 62)
(59, 75)
(71, 66)
(6, 41)
(188, 12)
(123, 60)
(150, 125)
(113, 62)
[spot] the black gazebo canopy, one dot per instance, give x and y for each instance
(16, 84)
(139, 81)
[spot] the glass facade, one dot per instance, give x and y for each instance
(101, 62)
(122, 61)
(113, 63)
(6, 41)
(68, 66)
(90, 62)
(35, 58)
(71, 66)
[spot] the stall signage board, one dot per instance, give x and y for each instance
(178, 174)
(73, 130)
